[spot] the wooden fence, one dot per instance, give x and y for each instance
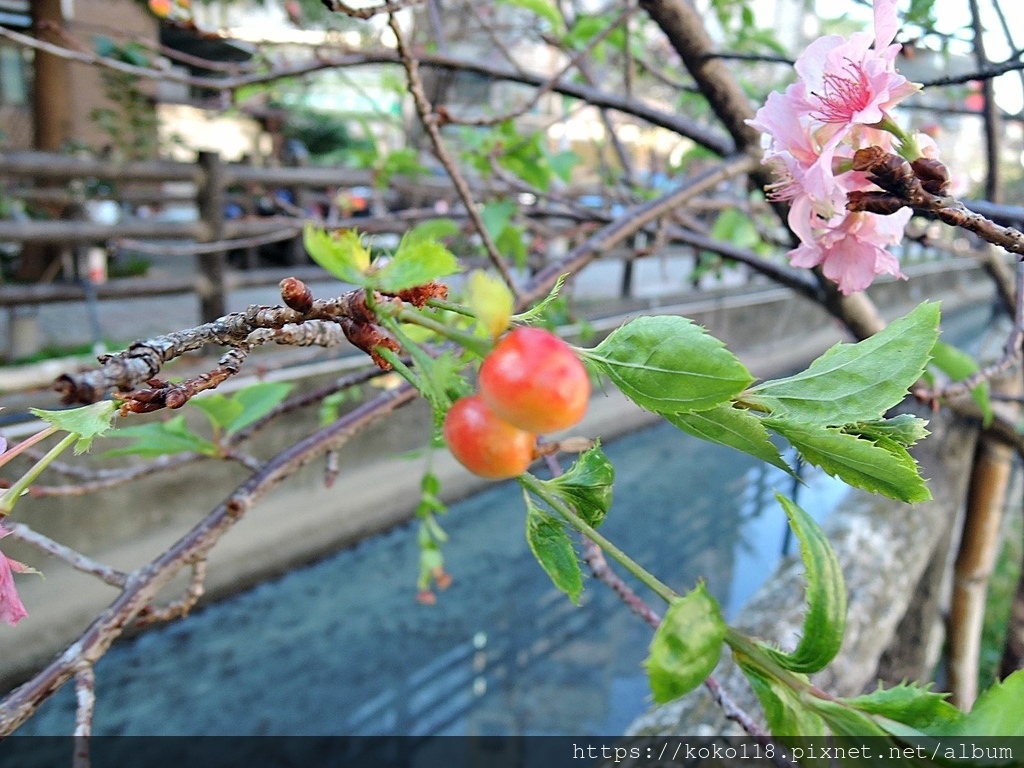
(209, 185)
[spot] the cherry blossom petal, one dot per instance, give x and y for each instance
(11, 608)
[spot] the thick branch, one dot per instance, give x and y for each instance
(128, 370)
(655, 116)
(144, 584)
(636, 219)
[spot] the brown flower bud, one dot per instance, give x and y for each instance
(296, 295)
(933, 174)
(891, 172)
(873, 202)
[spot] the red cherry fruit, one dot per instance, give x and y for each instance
(484, 443)
(533, 380)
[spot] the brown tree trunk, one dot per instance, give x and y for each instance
(51, 94)
(51, 119)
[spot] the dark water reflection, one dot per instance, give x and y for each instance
(342, 648)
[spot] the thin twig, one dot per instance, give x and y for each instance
(194, 249)
(429, 119)
(127, 370)
(179, 608)
(1010, 357)
(369, 12)
(146, 583)
(982, 73)
(76, 560)
(670, 120)
(598, 564)
(85, 697)
(93, 480)
(539, 92)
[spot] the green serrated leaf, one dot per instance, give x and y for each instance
(553, 549)
(587, 485)
(416, 263)
(958, 365)
(340, 253)
(786, 714)
(686, 646)
(257, 400)
(538, 309)
(88, 421)
(856, 382)
(883, 466)
(219, 409)
(160, 438)
(825, 618)
(667, 364)
(909, 704)
(734, 428)
(904, 429)
(997, 712)
(844, 721)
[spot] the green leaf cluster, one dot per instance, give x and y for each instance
(832, 413)
(904, 716)
(226, 415)
(418, 259)
(586, 490)
(87, 422)
(431, 536)
(958, 365)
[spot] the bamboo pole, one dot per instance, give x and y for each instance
(979, 546)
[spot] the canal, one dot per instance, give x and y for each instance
(342, 647)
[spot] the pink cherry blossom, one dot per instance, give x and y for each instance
(840, 104)
(853, 252)
(854, 82)
(11, 608)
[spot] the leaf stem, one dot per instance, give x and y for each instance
(449, 306)
(11, 496)
(536, 487)
(748, 647)
(25, 444)
(478, 346)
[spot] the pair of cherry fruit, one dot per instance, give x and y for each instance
(530, 384)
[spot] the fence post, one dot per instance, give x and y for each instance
(211, 198)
